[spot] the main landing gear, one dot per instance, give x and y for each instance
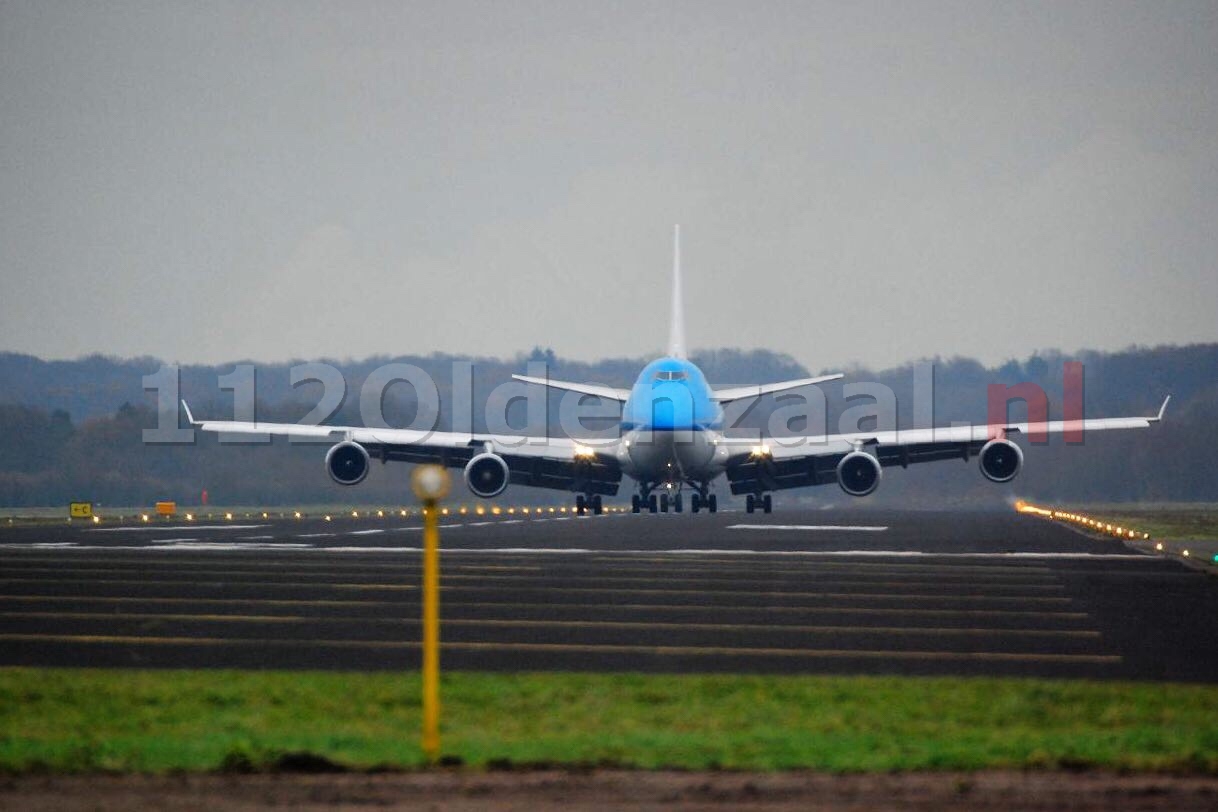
(697, 501)
(758, 501)
(666, 500)
(591, 502)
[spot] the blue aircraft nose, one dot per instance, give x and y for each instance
(671, 407)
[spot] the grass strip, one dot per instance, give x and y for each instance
(91, 720)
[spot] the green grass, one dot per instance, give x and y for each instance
(1170, 524)
(156, 721)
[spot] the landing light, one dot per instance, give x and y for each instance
(761, 450)
(583, 452)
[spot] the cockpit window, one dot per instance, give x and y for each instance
(666, 375)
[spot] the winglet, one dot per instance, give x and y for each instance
(190, 418)
(1163, 408)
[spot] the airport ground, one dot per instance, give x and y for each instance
(803, 594)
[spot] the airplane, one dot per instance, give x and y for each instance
(672, 438)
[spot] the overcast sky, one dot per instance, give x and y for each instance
(855, 182)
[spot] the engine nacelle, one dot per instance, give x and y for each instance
(348, 463)
(858, 473)
(1000, 460)
(486, 475)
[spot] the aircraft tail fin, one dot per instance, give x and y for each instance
(676, 324)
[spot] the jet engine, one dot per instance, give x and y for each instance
(1000, 460)
(486, 475)
(858, 473)
(347, 463)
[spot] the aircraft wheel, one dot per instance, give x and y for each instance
(663, 503)
(767, 504)
(695, 503)
(580, 505)
(652, 503)
(678, 503)
(750, 504)
(597, 507)
(636, 504)
(712, 503)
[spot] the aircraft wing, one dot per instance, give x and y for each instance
(757, 390)
(796, 462)
(608, 392)
(558, 463)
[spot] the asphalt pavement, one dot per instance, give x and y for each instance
(792, 592)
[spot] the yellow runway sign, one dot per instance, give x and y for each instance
(81, 510)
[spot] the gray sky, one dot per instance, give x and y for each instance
(856, 182)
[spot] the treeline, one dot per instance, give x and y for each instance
(75, 429)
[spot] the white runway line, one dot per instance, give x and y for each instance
(365, 532)
(861, 528)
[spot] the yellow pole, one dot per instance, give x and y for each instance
(430, 484)
(431, 632)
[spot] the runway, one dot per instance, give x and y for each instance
(792, 592)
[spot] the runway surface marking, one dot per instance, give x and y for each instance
(201, 545)
(599, 648)
(526, 623)
(686, 580)
(563, 589)
(849, 528)
(451, 603)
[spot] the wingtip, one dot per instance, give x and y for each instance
(190, 418)
(1163, 408)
